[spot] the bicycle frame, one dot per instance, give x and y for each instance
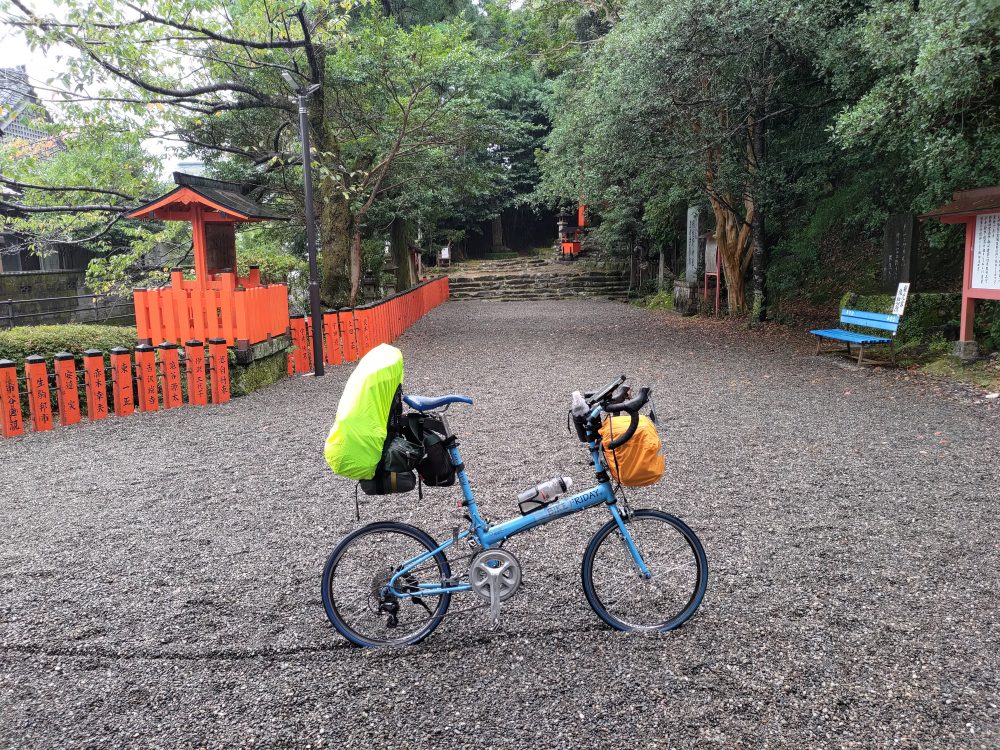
(492, 535)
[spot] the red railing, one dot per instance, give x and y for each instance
(350, 334)
(140, 383)
(239, 310)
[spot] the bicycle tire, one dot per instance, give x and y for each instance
(697, 590)
(329, 575)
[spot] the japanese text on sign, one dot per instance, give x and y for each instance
(986, 253)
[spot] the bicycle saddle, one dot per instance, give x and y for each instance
(429, 403)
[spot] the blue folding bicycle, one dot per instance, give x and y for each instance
(390, 583)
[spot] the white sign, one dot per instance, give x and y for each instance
(445, 253)
(711, 255)
(901, 294)
(986, 253)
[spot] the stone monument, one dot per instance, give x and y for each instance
(899, 252)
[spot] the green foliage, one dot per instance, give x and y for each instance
(46, 341)
(923, 89)
(245, 379)
(659, 301)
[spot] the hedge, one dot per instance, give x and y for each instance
(23, 341)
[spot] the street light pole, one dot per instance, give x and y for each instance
(314, 303)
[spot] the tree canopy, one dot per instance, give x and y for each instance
(798, 126)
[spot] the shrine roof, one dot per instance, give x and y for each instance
(229, 198)
(967, 202)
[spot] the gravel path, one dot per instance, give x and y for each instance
(159, 574)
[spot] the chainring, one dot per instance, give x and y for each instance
(495, 569)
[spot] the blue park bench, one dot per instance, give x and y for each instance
(861, 319)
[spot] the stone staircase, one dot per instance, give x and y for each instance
(535, 279)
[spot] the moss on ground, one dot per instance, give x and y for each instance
(658, 301)
(246, 379)
(982, 373)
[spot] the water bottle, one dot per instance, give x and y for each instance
(542, 494)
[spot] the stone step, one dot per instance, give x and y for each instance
(540, 296)
(534, 280)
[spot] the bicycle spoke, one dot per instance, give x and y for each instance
(359, 587)
(629, 597)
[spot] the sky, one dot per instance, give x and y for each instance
(42, 66)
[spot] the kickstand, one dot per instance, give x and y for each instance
(357, 505)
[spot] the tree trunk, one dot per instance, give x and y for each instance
(497, 244)
(758, 313)
(401, 236)
(356, 261)
(335, 233)
(731, 235)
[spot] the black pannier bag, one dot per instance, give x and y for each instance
(399, 457)
(435, 466)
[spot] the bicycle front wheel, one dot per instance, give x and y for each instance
(356, 592)
(627, 600)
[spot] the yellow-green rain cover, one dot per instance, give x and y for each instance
(354, 446)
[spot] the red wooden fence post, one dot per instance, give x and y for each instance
(219, 355)
(345, 321)
(67, 389)
(331, 349)
(121, 381)
(145, 368)
(194, 358)
(11, 421)
(36, 377)
(171, 372)
(97, 391)
(300, 340)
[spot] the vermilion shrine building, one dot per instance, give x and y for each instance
(217, 303)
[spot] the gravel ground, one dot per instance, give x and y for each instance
(159, 575)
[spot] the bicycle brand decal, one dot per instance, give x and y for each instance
(577, 502)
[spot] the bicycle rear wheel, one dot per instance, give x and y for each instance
(622, 597)
(356, 577)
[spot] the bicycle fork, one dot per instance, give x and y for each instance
(630, 545)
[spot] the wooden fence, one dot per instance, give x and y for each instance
(151, 378)
(241, 311)
(147, 379)
(350, 334)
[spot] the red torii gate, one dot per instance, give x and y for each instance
(979, 210)
(217, 303)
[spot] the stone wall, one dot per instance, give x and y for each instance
(46, 297)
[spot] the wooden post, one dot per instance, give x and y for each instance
(310, 367)
(121, 381)
(219, 356)
(171, 373)
(346, 323)
(141, 303)
(332, 348)
(243, 338)
(11, 421)
(36, 377)
(300, 340)
(198, 241)
(194, 359)
(97, 391)
(968, 317)
(67, 389)
(145, 367)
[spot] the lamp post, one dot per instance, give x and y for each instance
(302, 96)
